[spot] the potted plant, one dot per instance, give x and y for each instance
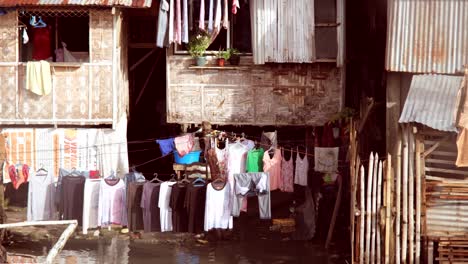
(234, 58)
(198, 43)
(222, 57)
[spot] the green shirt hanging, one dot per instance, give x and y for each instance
(255, 160)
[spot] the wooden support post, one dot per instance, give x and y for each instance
(370, 172)
(411, 196)
(55, 250)
(374, 207)
(379, 204)
(335, 212)
(388, 206)
(417, 258)
(430, 252)
(362, 216)
(404, 225)
(398, 204)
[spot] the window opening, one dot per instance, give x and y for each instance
(55, 36)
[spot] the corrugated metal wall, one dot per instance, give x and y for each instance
(429, 36)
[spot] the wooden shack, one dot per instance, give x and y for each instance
(91, 89)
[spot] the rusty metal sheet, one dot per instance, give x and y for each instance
(125, 3)
(427, 36)
(432, 101)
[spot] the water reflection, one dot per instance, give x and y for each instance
(123, 251)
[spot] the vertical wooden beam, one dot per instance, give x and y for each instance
(374, 208)
(378, 218)
(404, 226)
(388, 206)
(430, 252)
(411, 176)
(392, 111)
(370, 173)
(362, 216)
(398, 203)
(335, 211)
(417, 257)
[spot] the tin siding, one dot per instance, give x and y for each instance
(427, 36)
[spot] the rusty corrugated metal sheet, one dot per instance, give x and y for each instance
(432, 101)
(427, 36)
(126, 3)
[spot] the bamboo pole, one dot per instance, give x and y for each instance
(411, 195)
(430, 252)
(363, 214)
(335, 212)
(60, 243)
(358, 212)
(354, 167)
(368, 207)
(388, 206)
(398, 203)
(374, 207)
(379, 204)
(404, 225)
(418, 201)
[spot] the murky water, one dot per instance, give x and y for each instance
(118, 251)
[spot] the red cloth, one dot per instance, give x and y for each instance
(94, 174)
(25, 172)
(13, 175)
(41, 43)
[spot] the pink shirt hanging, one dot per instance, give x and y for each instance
(235, 5)
(184, 144)
(201, 21)
(287, 173)
(273, 167)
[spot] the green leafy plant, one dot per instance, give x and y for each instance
(222, 54)
(233, 51)
(198, 43)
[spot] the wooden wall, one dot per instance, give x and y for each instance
(271, 94)
(91, 93)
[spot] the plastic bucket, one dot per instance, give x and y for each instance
(191, 157)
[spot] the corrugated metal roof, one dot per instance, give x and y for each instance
(427, 36)
(126, 3)
(432, 101)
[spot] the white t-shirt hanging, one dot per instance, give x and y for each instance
(218, 208)
(91, 204)
(111, 202)
(41, 195)
(165, 211)
(326, 159)
(237, 155)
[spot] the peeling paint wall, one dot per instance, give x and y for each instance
(271, 94)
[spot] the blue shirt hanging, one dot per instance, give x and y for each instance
(166, 145)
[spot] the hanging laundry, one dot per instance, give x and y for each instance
(212, 161)
(210, 17)
(184, 144)
(226, 15)
(59, 196)
(41, 41)
(217, 20)
(149, 204)
(217, 208)
(165, 211)
(179, 212)
(170, 33)
(326, 159)
(166, 146)
(134, 210)
(287, 173)
(111, 202)
(255, 160)
(269, 140)
(38, 77)
(178, 23)
(251, 184)
(162, 33)
(235, 5)
(221, 156)
(272, 165)
(305, 218)
(201, 20)
(90, 204)
(302, 169)
(237, 156)
(41, 197)
(25, 36)
(185, 22)
(73, 197)
(195, 200)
